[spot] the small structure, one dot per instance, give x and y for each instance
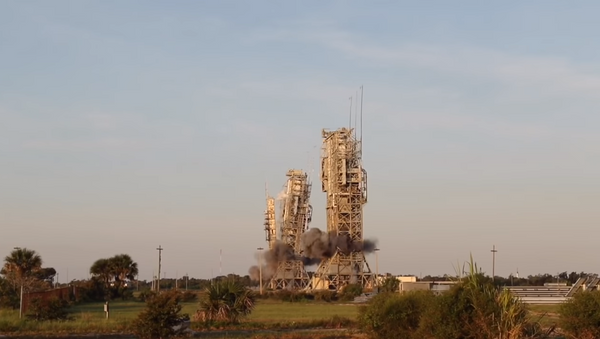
(436, 287)
(554, 293)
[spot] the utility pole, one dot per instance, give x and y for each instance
(494, 250)
(160, 249)
(260, 271)
(186, 280)
(377, 266)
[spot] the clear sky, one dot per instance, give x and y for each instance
(125, 125)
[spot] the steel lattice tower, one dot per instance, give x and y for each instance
(295, 216)
(270, 228)
(345, 183)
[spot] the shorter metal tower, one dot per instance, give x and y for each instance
(296, 214)
(270, 225)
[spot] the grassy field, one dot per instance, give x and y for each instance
(268, 315)
(90, 317)
(548, 314)
(265, 311)
(273, 311)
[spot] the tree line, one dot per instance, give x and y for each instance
(530, 280)
(116, 277)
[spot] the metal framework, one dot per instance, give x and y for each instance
(270, 228)
(296, 214)
(345, 183)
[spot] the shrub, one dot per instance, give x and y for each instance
(226, 301)
(580, 316)
(159, 316)
(473, 309)
(125, 293)
(8, 296)
(48, 309)
(390, 284)
(391, 315)
(188, 296)
(351, 291)
(146, 294)
(91, 290)
(327, 296)
(476, 309)
(292, 296)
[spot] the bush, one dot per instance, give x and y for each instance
(351, 291)
(292, 296)
(159, 316)
(188, 296)
(473, 309)
(91, 290)
(125, 293)
(145, 295)
(327, 296)
(580, 316)
(227, 301)
(9, 298)
(48, 309)
(476, 309)
(449, 316)
(391, 315)
(390, 284)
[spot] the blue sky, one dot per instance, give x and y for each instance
(125, 125)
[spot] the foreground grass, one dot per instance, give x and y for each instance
(90, 318)
(548, 314)
(268, 315)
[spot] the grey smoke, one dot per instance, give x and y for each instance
(316, 245)
(271, 258)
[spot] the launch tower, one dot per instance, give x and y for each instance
(270, 225)
(296, 214)
(345, 182)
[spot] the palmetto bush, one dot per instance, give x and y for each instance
(474, 308)
(227, 301)
(580, 316)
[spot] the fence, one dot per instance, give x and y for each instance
(68, 293)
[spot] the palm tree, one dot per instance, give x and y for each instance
(226, 301)
(123, 268)
(102, 270)
(21, 266)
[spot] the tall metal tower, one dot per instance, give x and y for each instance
(345, 182)
(296, 214)
(270, 226)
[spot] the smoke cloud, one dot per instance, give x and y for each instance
(316, 246)
(322, 245)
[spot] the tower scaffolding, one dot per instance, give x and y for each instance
(345, 182)
(270, 224)
(295, 217)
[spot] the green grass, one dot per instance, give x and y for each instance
(306, 311)
(548, 314)
(90, 317)
(268, 314)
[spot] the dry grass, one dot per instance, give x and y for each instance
(548, 314)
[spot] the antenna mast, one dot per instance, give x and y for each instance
(361, 106)
(350, 115)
